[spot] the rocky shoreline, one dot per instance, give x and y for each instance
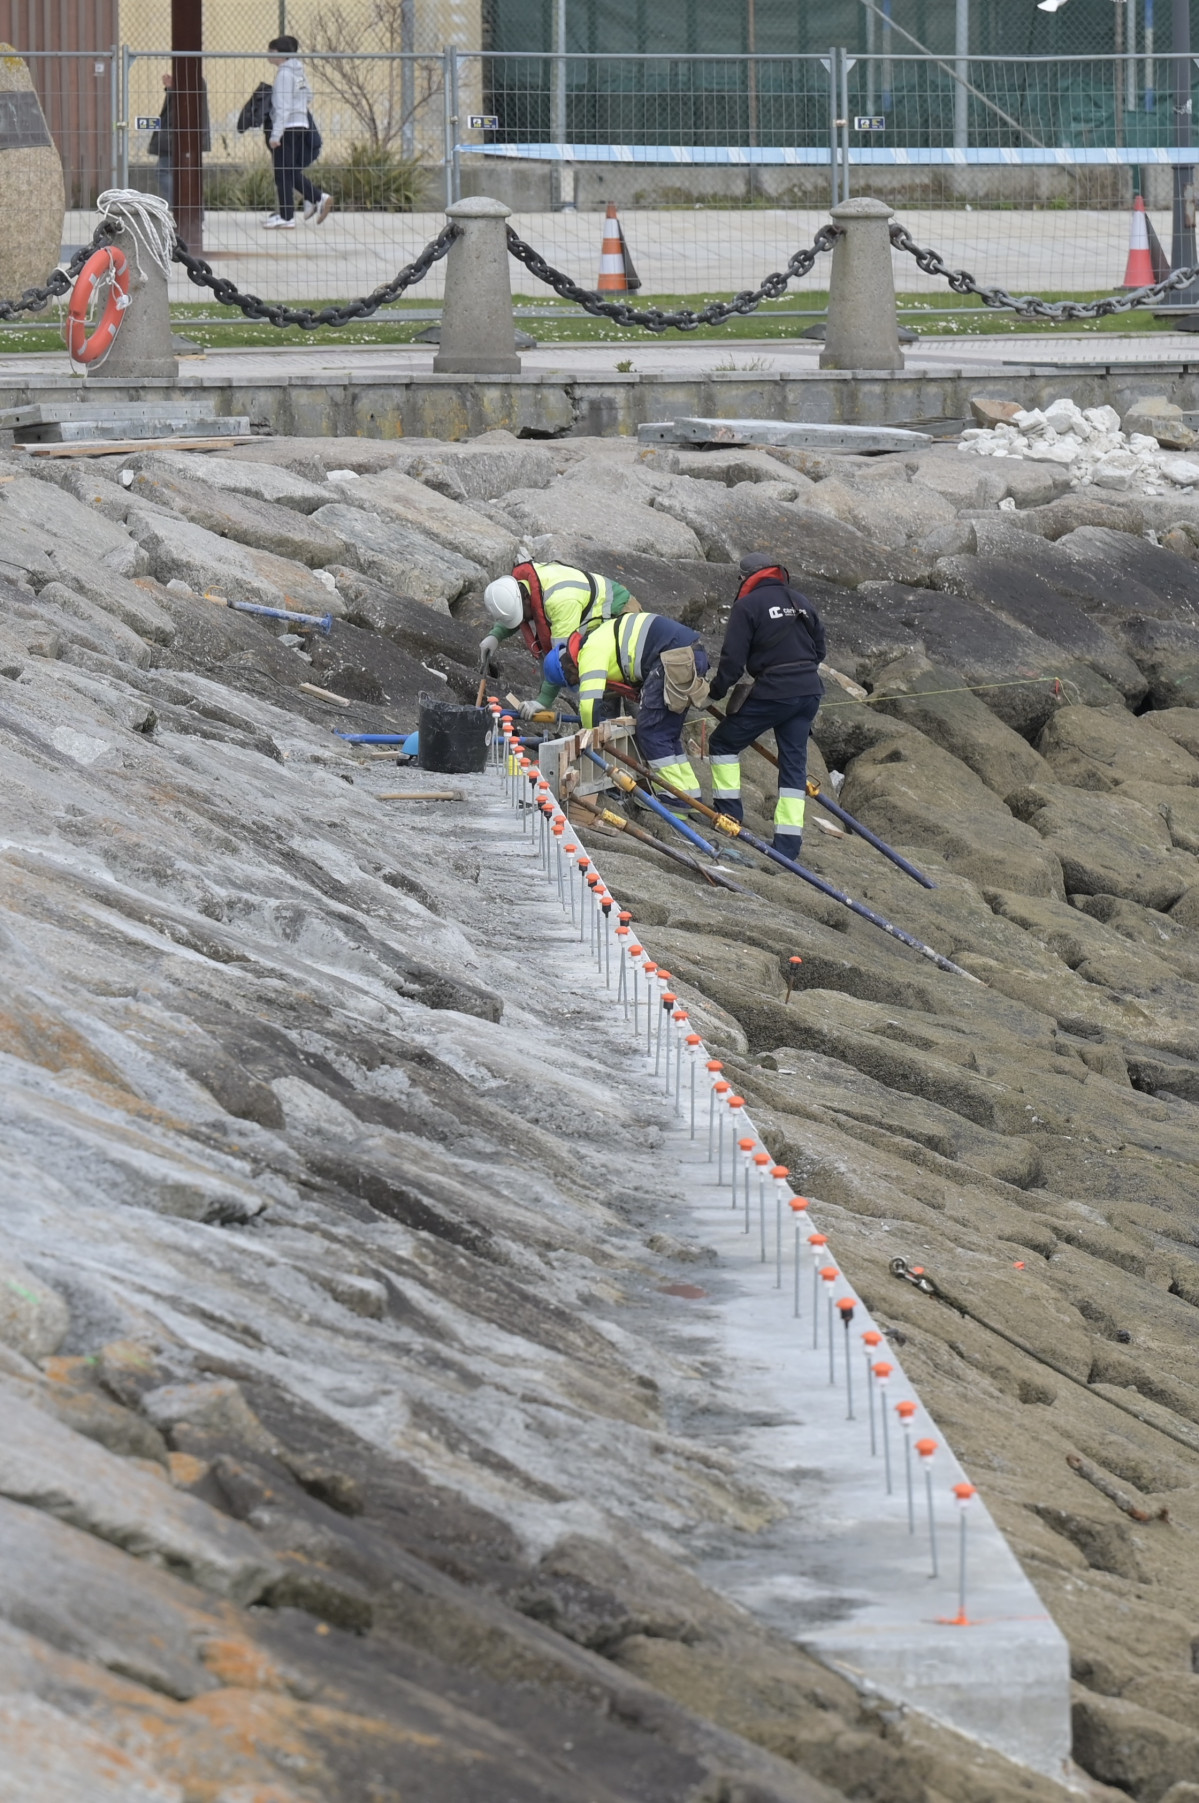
(352, 1452)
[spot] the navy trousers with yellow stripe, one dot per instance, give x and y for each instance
(790, 722)
(660, 735)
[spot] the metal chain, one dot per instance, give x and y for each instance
(1028, 306)
(653, 319)
(230, 295)
(62, 280)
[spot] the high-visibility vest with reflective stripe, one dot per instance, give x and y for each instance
(574, 600)
(611, 654)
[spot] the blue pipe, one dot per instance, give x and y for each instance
(372, 738)
(864, 832)
(323, 622)
(652, 802)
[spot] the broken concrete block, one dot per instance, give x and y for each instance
(1156, 417)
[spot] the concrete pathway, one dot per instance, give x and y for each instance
(683, 357)
(679, 250)
(845, 1572)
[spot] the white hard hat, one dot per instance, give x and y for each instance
(504, 601)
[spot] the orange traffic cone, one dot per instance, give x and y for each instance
(616, 274)
(1138, 271)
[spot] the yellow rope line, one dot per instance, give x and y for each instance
(965, 688)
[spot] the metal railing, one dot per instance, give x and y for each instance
(732, 161)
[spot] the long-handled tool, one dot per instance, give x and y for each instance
(735, 830)
(650, 801)
(619, 824)
(816, 793)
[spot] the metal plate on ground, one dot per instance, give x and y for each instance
(121, 426)
(786, 434)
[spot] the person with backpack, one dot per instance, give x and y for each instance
(294, 139)
(162, 142)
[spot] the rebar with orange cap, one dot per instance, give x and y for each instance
(734, 1104)
(606, 906)
(846, 1307)
(761, 1161)
(828, 1277)
(816, 1245)
(679, 1022)
(745, 1154)
(779, 1174)
(882, 1377)
(714, 1068)
(582, 866)
(964, 1495)
(662, 980)
(871, 1341)
(636, 954)
(694, 1047)
(571, 852)
(927, 1451)
(666, 1001)
(907, 1418)
(622, 988)
(792, 973)
(798, 1206)
(720, 1089)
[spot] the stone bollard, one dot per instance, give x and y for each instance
(478, 336)
(862, 327)
(143, 347)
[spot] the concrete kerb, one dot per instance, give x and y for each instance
(846, 1575)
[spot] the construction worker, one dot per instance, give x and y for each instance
(654, 657)
(769, 667)
(546, 602)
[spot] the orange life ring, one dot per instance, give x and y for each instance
(107, 264)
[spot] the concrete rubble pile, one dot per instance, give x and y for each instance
(361, 1435)
(1140, 458)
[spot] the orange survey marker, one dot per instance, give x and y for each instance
(616, 272)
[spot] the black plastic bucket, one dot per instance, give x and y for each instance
(453, 739)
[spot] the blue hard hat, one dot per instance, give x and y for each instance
(552, 669)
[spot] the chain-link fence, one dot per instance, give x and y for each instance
(1022, 169)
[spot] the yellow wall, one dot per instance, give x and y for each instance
(245, 26)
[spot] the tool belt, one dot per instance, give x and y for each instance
(683, 686)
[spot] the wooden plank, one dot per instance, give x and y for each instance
(421, 795)
(121, 447)
(310, 688)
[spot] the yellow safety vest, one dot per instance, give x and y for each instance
(611, 654)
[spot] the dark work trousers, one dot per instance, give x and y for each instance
(293, 153)
(790, 722)
(659, 734)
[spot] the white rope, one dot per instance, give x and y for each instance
(147, 219)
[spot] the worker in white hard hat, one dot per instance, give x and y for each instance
(547, 602)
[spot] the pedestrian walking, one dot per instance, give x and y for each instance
(295, 141)
(769, 668)
(162, 139)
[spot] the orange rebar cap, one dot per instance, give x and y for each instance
(882, 1370)
(762, 1158)
(795, 960)
(780, 1171)
(926, 1448)
(905, 1411)
(694, 1039)
(871, 1338)
(799, 1203)
(964, 1493)
(721, 1089)
(846, 1305)
(745, 1145)
(714, 1064)
(817, 1239)
(736, 1101)
(829, 1274)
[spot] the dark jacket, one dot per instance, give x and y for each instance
(162, 142)
(257, 111)
(776, 636)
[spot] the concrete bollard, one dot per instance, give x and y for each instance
(143, 346)
(478, 335)
(862, 328)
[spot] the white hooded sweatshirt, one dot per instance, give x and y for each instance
(291, 98)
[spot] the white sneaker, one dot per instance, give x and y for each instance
(310, 207)
(324, 209)
(277, 224)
